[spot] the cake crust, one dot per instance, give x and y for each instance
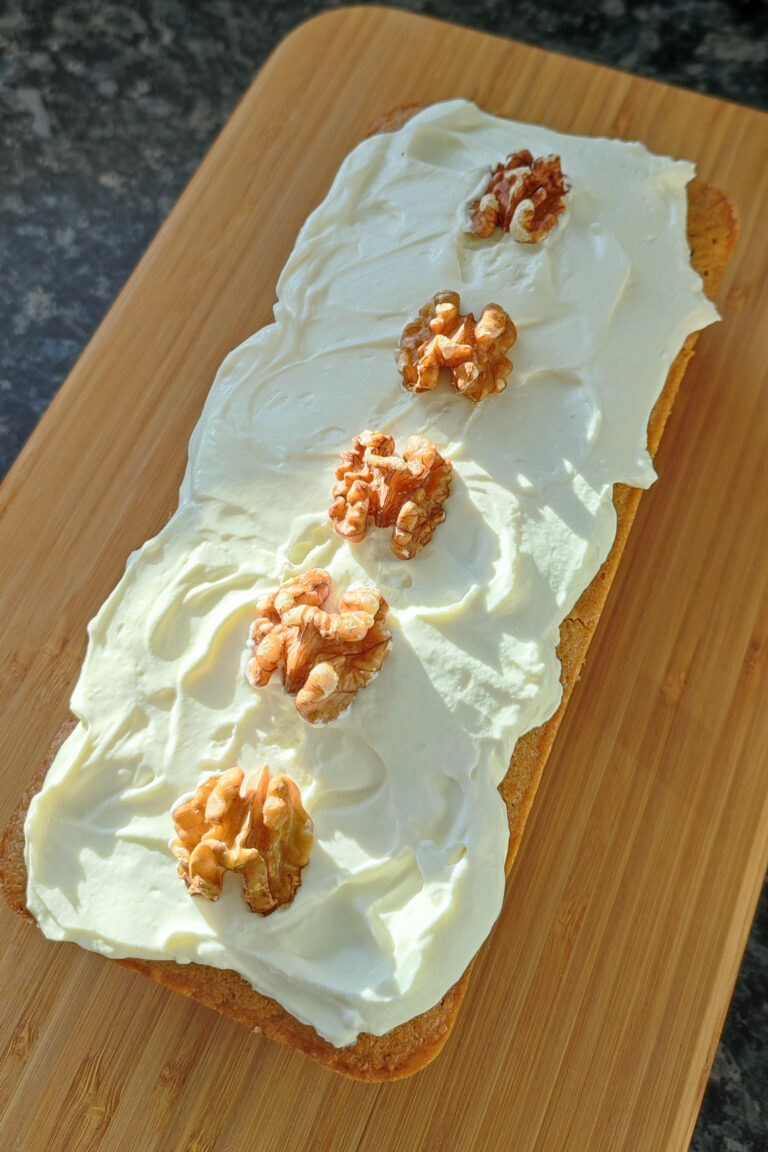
(712, 232)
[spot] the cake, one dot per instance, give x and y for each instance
(365, 969)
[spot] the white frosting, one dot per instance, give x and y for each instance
(406, 876)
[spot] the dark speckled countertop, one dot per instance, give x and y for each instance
(106, 111)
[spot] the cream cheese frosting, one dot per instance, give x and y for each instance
(406, 876)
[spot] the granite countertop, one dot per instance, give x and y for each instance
(107, 110)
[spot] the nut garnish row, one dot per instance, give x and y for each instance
(259, 828)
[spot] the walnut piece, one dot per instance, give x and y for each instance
(524, 197)
(405, 493)
(326, 657)
(261, 831)
(475, 353)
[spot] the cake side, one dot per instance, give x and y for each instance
(712, 232)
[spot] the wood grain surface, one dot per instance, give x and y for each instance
(594, 1012)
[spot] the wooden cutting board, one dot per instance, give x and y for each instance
(593, 1014)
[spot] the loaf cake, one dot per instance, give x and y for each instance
(417, 817)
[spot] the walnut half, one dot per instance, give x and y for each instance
(475, 352)
(326, 657)
(405, 493)
(524, 197)
(260, 831)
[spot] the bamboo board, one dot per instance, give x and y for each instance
(593, 1014)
